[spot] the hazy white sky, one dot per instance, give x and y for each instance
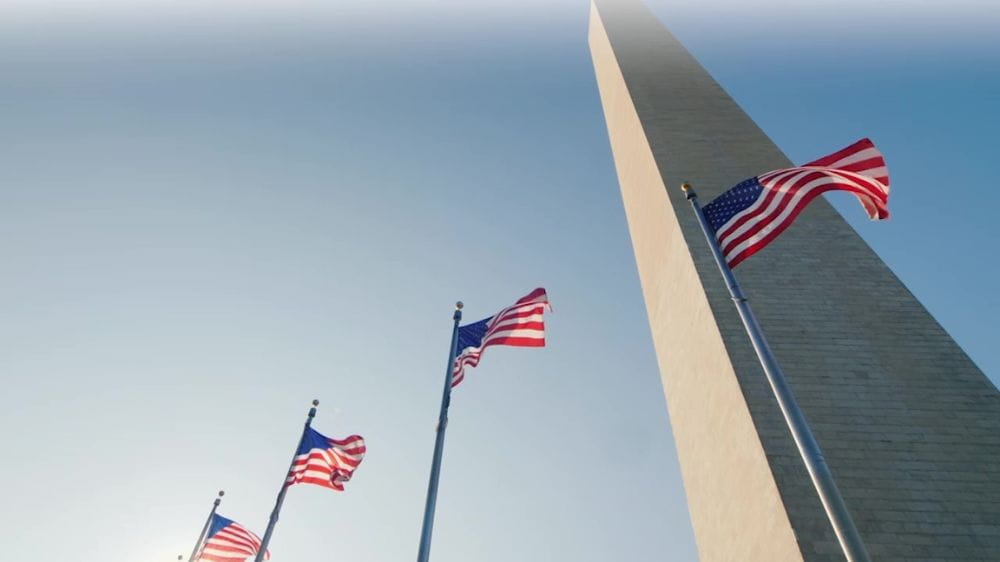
(847, 16)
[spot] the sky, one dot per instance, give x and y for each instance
(212, 214)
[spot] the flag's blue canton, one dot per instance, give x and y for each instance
(738, 198)
(313, 440)
(218, 523)
(471, 335)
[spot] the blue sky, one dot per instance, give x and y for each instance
(212, 215)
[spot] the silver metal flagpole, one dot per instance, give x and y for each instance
(284, 487)
(812, 456)
(208, 522)
(432, 487)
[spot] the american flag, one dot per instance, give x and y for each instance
(228, 541)
(754, 212)
(519, 325)
(326, 462)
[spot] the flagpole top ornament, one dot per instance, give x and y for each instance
(459, 305)
(315, 403)
(688, 190)
(222, 493)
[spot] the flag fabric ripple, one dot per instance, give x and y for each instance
(519, 325)
(228, 541)
(324, 461)
(749, 216)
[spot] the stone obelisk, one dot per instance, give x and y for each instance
(909, 425)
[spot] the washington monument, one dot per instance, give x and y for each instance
(909, 425)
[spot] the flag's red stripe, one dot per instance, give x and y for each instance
(519, 342)
(538, 293)
(318, 457)
(520, 313)
(228, 537)
(347, 440)
(517, 326)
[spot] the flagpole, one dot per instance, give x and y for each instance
(204, 529)
(432, 487)
(812, 456)
(284, 488)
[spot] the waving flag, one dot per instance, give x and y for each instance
(325, 462)
(753, 213)
(519, 325)
(228, 541)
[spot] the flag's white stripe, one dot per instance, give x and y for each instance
(333, 459)
(218, 551)
(521, 307)
(874, 173)
(238, 552)
(314, 464)
(316, 473)
(471, 355)
(522, 316)
(858, 156)
(326, 457)
(235, 541)
(223, 544)
(470, 360)
(510, 328)
(519, 316)
(235, 532)
(777, 174)
(866, 181)
(536, 317)
(242, 553)
(515, 310)
(869, 174)
(325, 466)
(229, 533)
(516, 333)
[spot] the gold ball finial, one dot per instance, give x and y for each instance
(459, 305)
(685, 187)
(315, 403)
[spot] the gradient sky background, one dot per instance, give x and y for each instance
(210, 215)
